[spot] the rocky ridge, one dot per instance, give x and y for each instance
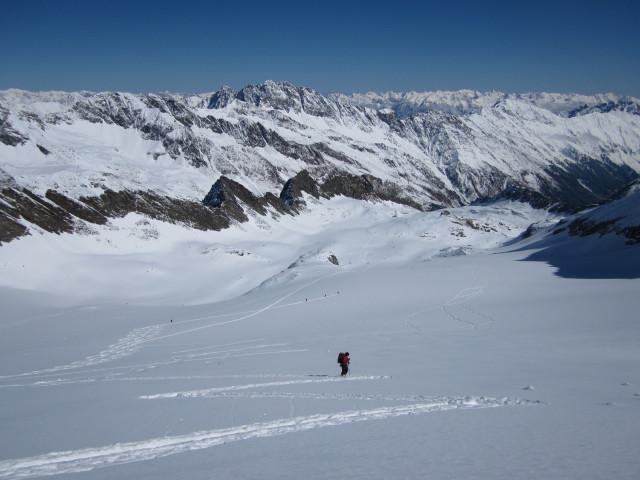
(226, 203)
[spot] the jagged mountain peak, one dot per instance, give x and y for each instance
(277, 96)
(222, 97)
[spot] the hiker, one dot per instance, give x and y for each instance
(343, 360)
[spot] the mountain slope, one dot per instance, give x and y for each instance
(599, 242)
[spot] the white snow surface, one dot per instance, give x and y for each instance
(151, 351)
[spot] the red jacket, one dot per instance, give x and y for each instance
(345, 360)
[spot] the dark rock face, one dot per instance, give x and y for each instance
(365, 187)
(626, 105)
(77, 209)
(566, 193)
(585, 224)
(633, 234)
(359, 187)
(222, 98)
(229, 196)
(189, 213)
(8, 135)
(22, 204)
(604, 178)
(56, 213)
(584, 227)
(523, 194)
(293, 190)
(216, 196)
(10, 229)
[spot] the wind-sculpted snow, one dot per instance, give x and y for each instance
(91, 458)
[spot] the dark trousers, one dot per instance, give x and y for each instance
(345, 369)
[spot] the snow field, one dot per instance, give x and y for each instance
(148, 377)
(155, 260)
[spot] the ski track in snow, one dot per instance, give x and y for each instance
(141, 336)
(87, 459)
(230, 351)
(248, 315)
(111, 373)
(190, 350)
(236, 393)
(213, 392)
(457, 301)
(124, 347)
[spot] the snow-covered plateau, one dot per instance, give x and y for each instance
(178, 275)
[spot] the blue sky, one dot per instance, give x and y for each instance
(330, 46)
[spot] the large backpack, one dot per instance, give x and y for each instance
(340, 357)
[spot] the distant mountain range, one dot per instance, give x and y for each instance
(463, 102)
(71, 159)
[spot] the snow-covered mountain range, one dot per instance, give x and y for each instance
(68, 159)
(463, 102)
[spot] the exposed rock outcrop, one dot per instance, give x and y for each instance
(227, 202)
